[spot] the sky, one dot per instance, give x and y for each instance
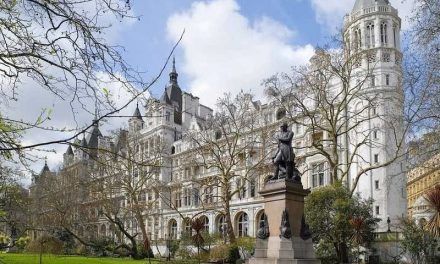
(228, 46)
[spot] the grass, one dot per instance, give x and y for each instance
(11, 258)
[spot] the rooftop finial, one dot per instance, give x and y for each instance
(173, 73)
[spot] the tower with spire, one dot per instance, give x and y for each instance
(372, 30)
(172, 94)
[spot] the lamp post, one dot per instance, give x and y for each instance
(388, 222)
(395, 257)
(168, 245)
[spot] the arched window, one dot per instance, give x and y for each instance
(395, 35)
(261, 216)
(357, 39)
(173, 149)
(221, 224)
(383, 33)
(172, 228)
(370, 35)
(205, 222)
(242, 225)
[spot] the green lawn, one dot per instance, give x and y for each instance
(9, 258)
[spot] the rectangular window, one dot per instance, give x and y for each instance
(167, 116)
(376, 158)
(252, 188)
(377, 209)
(318, 175)
(387, 79)
(374, 111)
(196, 197)
(376, 185)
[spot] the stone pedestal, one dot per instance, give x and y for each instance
(278, 196)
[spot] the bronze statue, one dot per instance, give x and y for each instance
(285, 230)
(284, 159)
(263, 231)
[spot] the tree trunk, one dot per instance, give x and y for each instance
(138, 214)
(343, 252)
(228, 220)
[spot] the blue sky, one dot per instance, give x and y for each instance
(301, 24)
(228, 46)
(148, 43)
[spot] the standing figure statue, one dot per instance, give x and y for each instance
(284, 157)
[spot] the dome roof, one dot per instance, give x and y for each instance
(361, 4)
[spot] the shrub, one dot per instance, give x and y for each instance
(233, 254)
(22, 242)
(45, 244)
(247, 245)
(219, 252)
(4, 240)
(82, 250)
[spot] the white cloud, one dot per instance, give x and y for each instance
(330, 13)
(225, 52)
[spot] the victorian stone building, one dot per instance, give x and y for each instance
(159, 126)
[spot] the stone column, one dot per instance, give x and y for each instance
(280, 247)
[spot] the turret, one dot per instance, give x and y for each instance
(372, 30)
(68, 156)
(136, 123)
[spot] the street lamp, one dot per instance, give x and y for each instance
(388, 222)
(168, 245)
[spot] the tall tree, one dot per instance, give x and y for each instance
(126, 188)
(231, 148)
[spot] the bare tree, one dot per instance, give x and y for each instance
(62, 47)
(334, 100)
(126, 188)
(422, 79)
(229, 147)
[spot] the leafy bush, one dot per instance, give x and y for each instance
(219, 252)
(233, 254)
(339, 219)
(4, 240)
(247, 245)
(82, 250)
(22, 242)
(102, 246)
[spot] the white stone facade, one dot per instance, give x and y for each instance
(372, 26)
